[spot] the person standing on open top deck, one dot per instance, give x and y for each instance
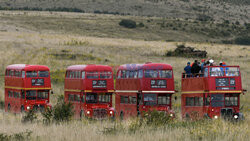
(187, 69)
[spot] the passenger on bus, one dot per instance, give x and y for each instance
(211, 62)
(195, 69)
(187, 69)
(203, 64)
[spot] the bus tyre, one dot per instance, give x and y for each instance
(187, 116)
(22, 109)
(9, 107)
(121, 115)
(81, 114)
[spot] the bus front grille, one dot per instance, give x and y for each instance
(226, 112)
(99, 113)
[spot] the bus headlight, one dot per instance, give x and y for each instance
(171, 115)
(235, 116)
(88, 112)
(216, 117)
(111, 112)
(28, 107)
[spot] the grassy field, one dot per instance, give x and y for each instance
(28, 37)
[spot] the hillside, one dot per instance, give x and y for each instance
(60, 39)
(218, 10)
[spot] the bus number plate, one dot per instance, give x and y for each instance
(99, 83)
(37, 82)
(158, 83)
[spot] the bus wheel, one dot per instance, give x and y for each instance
(121, 115)
(81, 114)
(9, 107)
(187, 117)
(22, 109)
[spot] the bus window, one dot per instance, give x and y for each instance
(105, 75)
(10, 93)
(11, 73)
(127, 73)
(71, 97)
(91, 98)
(207, 100)
(31, 95)
(217, 100)
(83, 98)
(206, 72)
(77, 98)
(43, 74)
(23, 74)
(17, 73)
(92, 75)
(22, 95)
(42, 94)
(123, 75)
(119, 74)
(83, 74)
(189, 101)
(231, 100)
(104, 98)
(163, 99)
(140, 74)
(131, 74)
(151, 73)
(31, 74)
(165, 73)
(232, 71)
(150, 99)
(216, 71)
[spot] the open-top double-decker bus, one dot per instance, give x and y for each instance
(89, 88)
(27, 87)
(144, 87)
(214, 94)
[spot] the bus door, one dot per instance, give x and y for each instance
(138, 103)
(206, 104)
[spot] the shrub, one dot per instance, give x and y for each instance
(62, 112)
(156, 118)
(140, 25)
(128, 23)
(243, 40)
(29, 116)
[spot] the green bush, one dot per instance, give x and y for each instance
(62, 112)
(29, 116)
(127, 23)
(243, 40)
(156, 118)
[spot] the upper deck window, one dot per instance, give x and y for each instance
(151, 73)
(232, 71)
(140, 74)
(83, 74)
(43, 73)
(105, 75)
(92, 75)
(31, 74)
(165, 73)
(216, 71)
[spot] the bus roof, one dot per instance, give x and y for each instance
(91, 67)
(146, 66)
(27, 67)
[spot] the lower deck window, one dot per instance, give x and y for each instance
(231, 100)
(104, 98)
(124, 99)
(194, 101)
(150, 99)
(163, 99)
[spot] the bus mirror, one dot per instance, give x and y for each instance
(175, 98)
(52, 92)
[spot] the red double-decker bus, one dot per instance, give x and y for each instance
(144, 87)
(214, 94)
(89, 88)
(27, 87)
